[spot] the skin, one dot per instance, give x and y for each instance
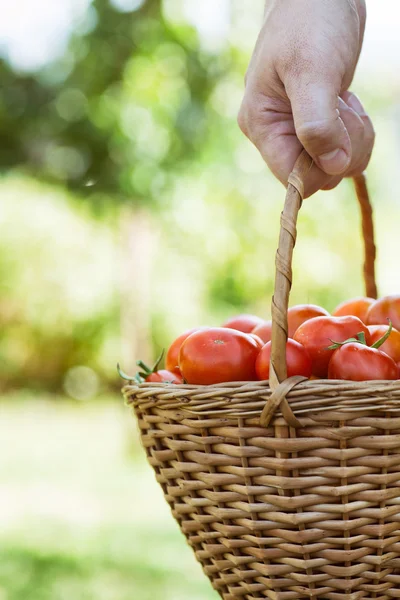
(264, 331)
(244, 323)
(297, 315)
(297, 90)
(356, 362)
(356, 306)
(297, 359)
(218, 354)
(383, 309)
(172, 357)
(164, 376)
(317, 334)
(392, 345)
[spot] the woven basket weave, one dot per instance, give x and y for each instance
(285, 490)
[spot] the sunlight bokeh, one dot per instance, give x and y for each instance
(132, 208)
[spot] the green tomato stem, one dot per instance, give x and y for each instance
(383, 339)
(336, 345)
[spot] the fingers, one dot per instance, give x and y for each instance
(362, 138)
(273, 132)
(319, 125)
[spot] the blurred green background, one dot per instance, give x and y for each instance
(132, 208)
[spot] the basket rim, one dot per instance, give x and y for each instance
(246, 399)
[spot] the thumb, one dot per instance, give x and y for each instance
(318, 126)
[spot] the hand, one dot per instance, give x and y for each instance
(296, 90)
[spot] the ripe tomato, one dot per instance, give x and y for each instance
(300, 313)
(264, 331)
(297, 358)
(217, 355)
(319, 333)
(392, 345)
(164, 376)
(357, 362)
(259, 341)
(358, 307)
(244, 323)
(172, 357)
(383, 309)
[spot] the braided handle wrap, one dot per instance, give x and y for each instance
(279, 383)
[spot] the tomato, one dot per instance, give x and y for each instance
(259, 341)
(164, 376)
(151, 374)
(357, 362)
(244, 323)
(172, 357)
(217, 355)
(398, 366)
(383, 309)
(319, 333)
(264, 331)
(358, 307)
(392, 344)
(297, 358)
(300, 313)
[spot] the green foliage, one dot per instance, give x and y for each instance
(117, 113)
(58, 289)
(80, 517)
(139, 117)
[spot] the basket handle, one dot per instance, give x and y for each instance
(283, 270)
(367, 222)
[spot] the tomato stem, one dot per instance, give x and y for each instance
(146, 371)
(383, 339)
(141, 376)
(122, 374)
(127, 377)
(336, 345)
(144, 367)
(361, 338)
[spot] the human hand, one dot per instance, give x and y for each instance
(297, 90)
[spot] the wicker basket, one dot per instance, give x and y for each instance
(285, 491)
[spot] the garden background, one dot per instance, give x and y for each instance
(132, 208)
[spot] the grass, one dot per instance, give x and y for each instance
(81, 515)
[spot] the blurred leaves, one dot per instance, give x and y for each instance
(135, 124)
(124, 105)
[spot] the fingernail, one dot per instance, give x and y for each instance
(355, 104)
(335, 162)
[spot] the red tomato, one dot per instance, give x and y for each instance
(319, 333)
(392, 345)
(300, 313)
(244, 323)
(259, 341)
(264, 331)
(217, 355)
(357, 362)
(398, 366)
(164, 376)
(383, 309)
(358, 307)
(172, 357)
(297, 359)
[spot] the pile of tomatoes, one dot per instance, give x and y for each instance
(359, 341)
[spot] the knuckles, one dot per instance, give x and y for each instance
(313, 132)
(242, 118)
